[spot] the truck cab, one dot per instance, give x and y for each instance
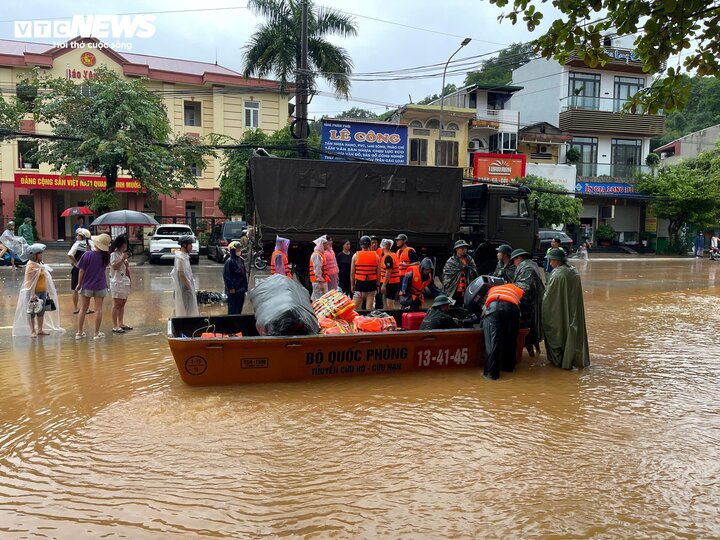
(492, 215)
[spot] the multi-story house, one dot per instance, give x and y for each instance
(201, 98)
(494, 127)
(588, 103)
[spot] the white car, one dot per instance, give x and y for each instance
(164, 242)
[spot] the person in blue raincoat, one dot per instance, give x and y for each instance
(235, 278)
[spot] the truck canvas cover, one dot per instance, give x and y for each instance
(310, 195)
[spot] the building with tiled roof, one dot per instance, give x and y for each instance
(201, 98)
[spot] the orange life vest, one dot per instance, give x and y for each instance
(418, 284)
(404, 258)
(506, 293)
(394, 271)
(325, 277)
(366, 266)
(285, 263)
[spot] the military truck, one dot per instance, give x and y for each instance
(434, 206)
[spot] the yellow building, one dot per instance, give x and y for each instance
(424, 141)
(201, 98)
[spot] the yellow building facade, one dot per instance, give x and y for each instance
(425, 146)
(201, 99)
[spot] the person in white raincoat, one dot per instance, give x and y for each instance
(183, 284)
(17, 245)
(31, 315)
(318, 268)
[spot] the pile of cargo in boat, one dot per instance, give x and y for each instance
(327, 339)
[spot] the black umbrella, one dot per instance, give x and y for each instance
(125, 218)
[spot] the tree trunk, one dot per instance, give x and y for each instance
(111, 175)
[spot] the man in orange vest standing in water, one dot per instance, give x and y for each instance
(318, 268)
(501, 322)
(365, 274)
(279, 258)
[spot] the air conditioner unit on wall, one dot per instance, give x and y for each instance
(475, 144)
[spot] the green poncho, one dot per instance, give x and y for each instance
(505, 271)
(452, 270)
(528, 277)
(564, 319)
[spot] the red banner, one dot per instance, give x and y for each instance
(81, 183)
(503, 168)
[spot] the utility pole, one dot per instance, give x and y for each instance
(301, 110)
(438, 146)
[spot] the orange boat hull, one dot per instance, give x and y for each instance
(250, 360)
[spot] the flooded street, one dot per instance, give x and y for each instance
(104, 439)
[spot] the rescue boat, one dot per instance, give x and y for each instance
(211, 351)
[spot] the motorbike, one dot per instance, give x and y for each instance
(715, 254)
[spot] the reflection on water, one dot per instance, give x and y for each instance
(104, 439)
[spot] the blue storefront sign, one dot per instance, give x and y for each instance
(365, 140)
(600, 188)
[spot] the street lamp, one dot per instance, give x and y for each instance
(442, 100)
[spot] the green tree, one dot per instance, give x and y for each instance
(687, 193)
(234, 162)
(357, 112)
(701, 110)
(498, 70)
(110, 125)
(449, 89)
(662, 29)
(274, 48)
(553, 206)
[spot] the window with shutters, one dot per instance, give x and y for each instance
(418, 151)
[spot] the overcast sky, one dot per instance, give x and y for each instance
(380, 45)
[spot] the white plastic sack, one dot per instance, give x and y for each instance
(282, 308)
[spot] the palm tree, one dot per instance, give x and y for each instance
(275, 46)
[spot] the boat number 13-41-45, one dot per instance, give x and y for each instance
(442, 356)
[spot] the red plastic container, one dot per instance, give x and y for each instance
(412, 320)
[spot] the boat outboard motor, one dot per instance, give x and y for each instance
(477, 291)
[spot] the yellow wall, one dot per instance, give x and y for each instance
(461, 135)
(222, 109)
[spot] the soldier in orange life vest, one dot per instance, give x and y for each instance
(318, 268)
(417, 278)
(279, 258)
(365, 273)
(501, 322)
(403, 253)
(459, 271)
(389, 274)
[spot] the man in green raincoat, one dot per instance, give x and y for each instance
(530, 278)
(563, 315)
(459, 271)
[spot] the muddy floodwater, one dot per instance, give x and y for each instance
(102, 439)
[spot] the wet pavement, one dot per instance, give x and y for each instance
(103, 438)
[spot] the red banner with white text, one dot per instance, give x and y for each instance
(84, 183)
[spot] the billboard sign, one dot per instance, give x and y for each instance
(604, 188)
(500, 168)
(383, 143)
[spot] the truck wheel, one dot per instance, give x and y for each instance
(259, 263)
